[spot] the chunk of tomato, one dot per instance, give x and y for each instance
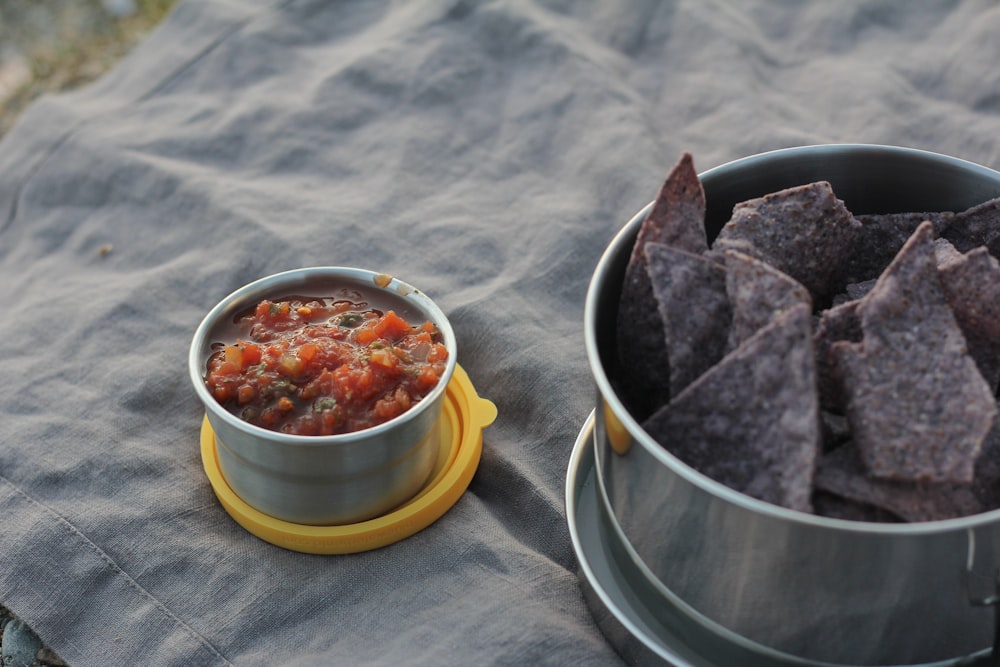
(391, 326)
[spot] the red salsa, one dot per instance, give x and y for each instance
(314, 366)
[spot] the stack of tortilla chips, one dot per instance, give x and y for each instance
(825, 362)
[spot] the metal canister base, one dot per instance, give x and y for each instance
(643, 627)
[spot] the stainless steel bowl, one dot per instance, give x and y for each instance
(325, 480)
(783, 586)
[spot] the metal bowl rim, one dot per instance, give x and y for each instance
(272, 284)
(661, 455)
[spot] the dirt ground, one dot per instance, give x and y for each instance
(54, 45)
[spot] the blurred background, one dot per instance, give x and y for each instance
(50, 46)
(53, 45)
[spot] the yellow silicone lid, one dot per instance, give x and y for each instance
(464, 417)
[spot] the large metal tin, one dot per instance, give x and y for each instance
(647, 627)
(788, 586)
(325, 480)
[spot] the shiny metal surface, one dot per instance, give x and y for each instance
(325, 480)
(787, 585)
(646, 627)
(617, 596)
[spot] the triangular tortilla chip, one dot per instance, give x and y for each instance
(690, 293)
(759, 294)
(972, 287)
(840, 323)
(805, 232)
(842, 473)
(752, 421)
(918, 407)
(976, 226)
(676, 219)
(881, 237)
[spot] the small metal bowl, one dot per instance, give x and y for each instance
(786, 587)
(336, 479)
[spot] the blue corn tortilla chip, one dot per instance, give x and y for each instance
(882, 235)
(834, 429)
(945, 254)
(986, 480)
(842, 473)
(840, 323)
(758, 295)
(846, 488)
(752, 421)
(837, 507)
(690, 293)
(805, 232)
(856, 291)
(971, 284)
(677, 219)
(975, 227)
(918, 408)
(965, 293)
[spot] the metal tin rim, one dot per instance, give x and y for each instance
(653, 648)
(666, 458)
(272, 284)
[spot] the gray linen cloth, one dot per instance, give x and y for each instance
(484, 151)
